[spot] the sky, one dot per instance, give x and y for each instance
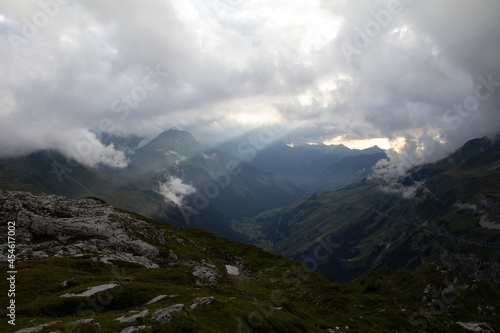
(419, 78)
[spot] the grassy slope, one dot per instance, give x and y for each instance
(273, 294)
(377, 228)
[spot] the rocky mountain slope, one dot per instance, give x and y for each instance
(229, 184)
(450, 213)
(84, 266)
(173, 179)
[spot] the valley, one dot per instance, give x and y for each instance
(442, 221)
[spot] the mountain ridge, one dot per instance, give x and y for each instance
(142, 184)
(450, 217)
(300, 163)
(232, 186)
(348, 170)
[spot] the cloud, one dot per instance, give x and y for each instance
(407, 192)
(78, 144)
(229, 63)
(174, 190)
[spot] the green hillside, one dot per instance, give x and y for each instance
(453, 217)
(190, 281)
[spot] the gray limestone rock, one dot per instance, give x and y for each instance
(206, 271)
(163, 316)
(133, 318)
(133, 329)
(36, 328)
(201, 301)
(77, 228)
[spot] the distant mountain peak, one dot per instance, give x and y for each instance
(174, 130)
(176, 134)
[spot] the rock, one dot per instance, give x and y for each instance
(232, 270)
(100, 229)
(133, 329)
(156, 299)
(84, 321)
(88, 321)
(36, 328)
(487, 201)
(92, 290)
(163, 316)
(476, 327)
(201, 301)
(206, 271)
(172, 259)
(133, 318)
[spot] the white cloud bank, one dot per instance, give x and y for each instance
(175, 190)
(233, 65)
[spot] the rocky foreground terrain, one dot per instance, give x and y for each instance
(84, 266)
(80, 228)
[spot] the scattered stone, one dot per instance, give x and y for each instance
(476, 327)
(156, 299)
(92, 290)
(201, 301)
(133, 318)
(172, 259)
(84, 321)
(163, 316)
(36, 328)
(133, 329)
(232, 270)
(88, 321)
(206, 271)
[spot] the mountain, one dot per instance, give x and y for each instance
(121, 143)
(205, 187)
(129, 188)
(348, 170)
(300, 163)
(230, 185)
(450, 212)
(166, 149)
(82, 265)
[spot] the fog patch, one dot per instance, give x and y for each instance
(175, 190)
